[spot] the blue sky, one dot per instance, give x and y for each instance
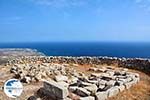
(74, 20)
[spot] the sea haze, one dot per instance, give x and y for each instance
(129, 50)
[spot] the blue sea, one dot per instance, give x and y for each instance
(129, 50)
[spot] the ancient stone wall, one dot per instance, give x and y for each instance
(132, 63)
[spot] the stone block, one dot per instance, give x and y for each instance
(113, 91)
(85, 83)
(102, 95)
(101, 86)
(82, 92)
(92, 81)
(73, 88)
(92, 88)
(96, 74)
(102, 82)
(56, 89)
(111, 82)
(59, 78)
(63, 84)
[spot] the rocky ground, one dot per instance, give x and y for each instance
(75, 78)
(77, 82)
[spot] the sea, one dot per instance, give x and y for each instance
(109, 49)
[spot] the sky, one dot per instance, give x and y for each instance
(74, 20)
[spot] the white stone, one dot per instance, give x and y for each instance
(59, 78)
(101, 70)
(56, 89)
(101, 95)
(111, 82)
(92, 88)
(113, 91)
(64, 84)
(85, 84)
(73, 80)
(101, 86)
(73, 88)
(82, 92)
(96, 74)
(87, 98)
(93, 81)
(102, 82)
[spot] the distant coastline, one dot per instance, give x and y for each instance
(120, 50)
(16, 52)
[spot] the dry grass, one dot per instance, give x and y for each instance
(140, 91)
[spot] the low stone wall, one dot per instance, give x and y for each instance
(132, 63)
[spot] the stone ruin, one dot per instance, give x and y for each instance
(140, 64)
(62, 82)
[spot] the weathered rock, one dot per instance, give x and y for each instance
(87, 98)
(56, 89)
(42, 92)
(101, 70)
(82, 92)
(73, 88)
(118, 83)
(73, 80)
(59, 78)
(101, 95)
(96, 74)
(111, 83)
(92, 88)
(102, 82)
(85, 84)
(101, 87)
(92, 81)
(64, 84)
(113, 91)
(111, 73)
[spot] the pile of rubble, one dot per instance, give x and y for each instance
(28, 73)
(62, 82)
